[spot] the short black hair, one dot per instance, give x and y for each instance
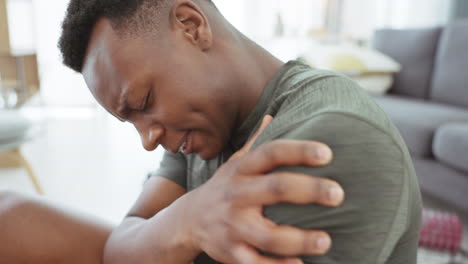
(82, 16)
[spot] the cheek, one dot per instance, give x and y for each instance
(208, 144)
(212, 122)
(203, 139)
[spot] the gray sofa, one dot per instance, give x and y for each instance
(429, 104)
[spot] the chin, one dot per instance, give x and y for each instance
(210, 153)
(208, 148)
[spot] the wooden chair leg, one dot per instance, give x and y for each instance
(30, 172)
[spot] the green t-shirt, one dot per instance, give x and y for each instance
(380, 219)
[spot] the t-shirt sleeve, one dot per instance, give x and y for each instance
(371, 168)
(173, 167)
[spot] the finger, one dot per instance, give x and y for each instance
(285, 153)
(286, 240)
(265, 122)
(248, 255)
(289, 188)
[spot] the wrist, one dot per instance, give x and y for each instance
(186, 230)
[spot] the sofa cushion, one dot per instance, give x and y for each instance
(450, 80)
(415, 50)
(417, 120)
(13, 129)
(451, 145)
(442, 182)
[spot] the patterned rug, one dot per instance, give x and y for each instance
(426, 256)
(442, 238)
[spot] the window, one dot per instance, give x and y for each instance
(263, 19)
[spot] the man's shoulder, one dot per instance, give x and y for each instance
(332, 127)
(372, 165)
(313, 95)
(312, 91)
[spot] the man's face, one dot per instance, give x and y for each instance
(166, 88)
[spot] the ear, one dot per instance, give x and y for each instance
(189, 18)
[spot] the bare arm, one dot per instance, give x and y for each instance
(144, 228)
(224, 216)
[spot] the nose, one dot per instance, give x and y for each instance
(151, 137)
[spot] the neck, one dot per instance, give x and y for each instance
(255, 68)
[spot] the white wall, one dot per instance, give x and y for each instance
(59, 85)
(21, 25)
(256, 18)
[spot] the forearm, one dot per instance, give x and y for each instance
(164, 238)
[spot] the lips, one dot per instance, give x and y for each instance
(182, 147)
(185, 146)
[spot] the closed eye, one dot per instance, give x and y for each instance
(146, 102)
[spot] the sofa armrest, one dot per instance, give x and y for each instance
(450, 145)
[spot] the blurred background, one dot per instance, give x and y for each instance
(56, 140)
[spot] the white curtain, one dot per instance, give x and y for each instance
(362, 17)
(258, 18)
(414, 13)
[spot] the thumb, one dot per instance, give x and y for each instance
(265, 122)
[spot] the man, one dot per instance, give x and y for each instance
(191, 82)
(33, 231)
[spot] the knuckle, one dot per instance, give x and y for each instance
(277, 186)
(265, 241)
(231, 198)
(270, 150)
(242, 165)
(262, 236)
(237, 166)
(315, 190)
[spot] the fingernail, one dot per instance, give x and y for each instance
(323, 243)
(324, 154)
(335, 194)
